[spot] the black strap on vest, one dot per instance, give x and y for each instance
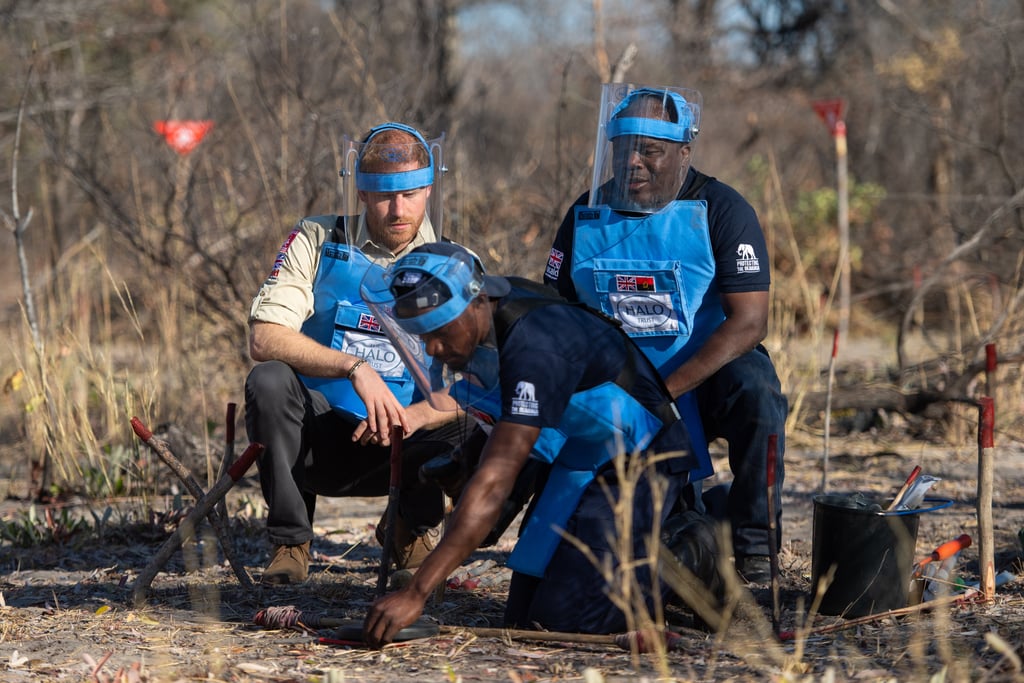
(339, 229)
(532, 295)
(699, 181)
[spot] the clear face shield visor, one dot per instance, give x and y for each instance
(420, 301)
(364, 163)
(644, 144)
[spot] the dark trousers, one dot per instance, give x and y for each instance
(309, 452)
(573, 595)
(743, 404)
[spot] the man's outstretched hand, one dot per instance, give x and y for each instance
(389, 615)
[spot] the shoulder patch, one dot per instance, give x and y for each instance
(554, 266)
(746, 260)
(525, 401)
(282, 253)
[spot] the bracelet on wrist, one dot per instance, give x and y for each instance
(355, 366)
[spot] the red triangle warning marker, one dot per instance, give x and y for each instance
(183, 136)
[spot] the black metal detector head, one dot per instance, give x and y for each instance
(352, 629)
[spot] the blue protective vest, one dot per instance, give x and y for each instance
(598, 424)
(341, 320)
(623, 265)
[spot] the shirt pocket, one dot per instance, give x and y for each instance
(645, 295)
(357, 332)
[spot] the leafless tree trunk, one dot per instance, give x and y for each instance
(19, 225)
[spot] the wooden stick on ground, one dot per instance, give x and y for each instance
(217, 521)
(289, 616)
(871, 618)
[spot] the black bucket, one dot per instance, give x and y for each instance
(872, 552)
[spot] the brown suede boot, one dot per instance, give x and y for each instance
(407, 550)
(290, 564)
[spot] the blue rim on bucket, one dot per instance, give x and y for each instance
(940, 503)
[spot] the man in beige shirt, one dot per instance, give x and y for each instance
(329, 386)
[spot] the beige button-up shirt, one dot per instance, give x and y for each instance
(286, 296)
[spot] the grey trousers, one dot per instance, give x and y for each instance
(309, 452)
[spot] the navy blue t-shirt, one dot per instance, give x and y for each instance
(554, 351)
(740, 251)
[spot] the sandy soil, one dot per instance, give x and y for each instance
(66, 614)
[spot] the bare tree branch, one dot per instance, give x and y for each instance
(976, 242)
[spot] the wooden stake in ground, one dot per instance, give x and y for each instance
(773, 543)
(986, 547)
(391, 512)
(828, 408)
(228, 458)
(218, 520)
(186, 530)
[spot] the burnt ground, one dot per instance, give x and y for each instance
(66, 613)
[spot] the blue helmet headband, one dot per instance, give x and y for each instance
(681, 130)
(402, 181)
(432, 290)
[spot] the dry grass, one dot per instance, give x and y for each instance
(102, 362)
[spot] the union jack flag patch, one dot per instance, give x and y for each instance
(634, 283)
(368, 322)
(554, 264)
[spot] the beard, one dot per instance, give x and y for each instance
(394, 232)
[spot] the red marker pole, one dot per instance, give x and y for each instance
(228, 457)
(828, 407)
(391, 513)
(990, 369)
(773, 543)
(986, 547)
(831, 112)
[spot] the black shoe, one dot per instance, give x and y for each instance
(447, 472)
(754, 568)
(690, 537)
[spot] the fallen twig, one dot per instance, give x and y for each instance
(871, 618)
(290, 617)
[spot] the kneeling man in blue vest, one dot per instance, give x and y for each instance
(554, 382)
